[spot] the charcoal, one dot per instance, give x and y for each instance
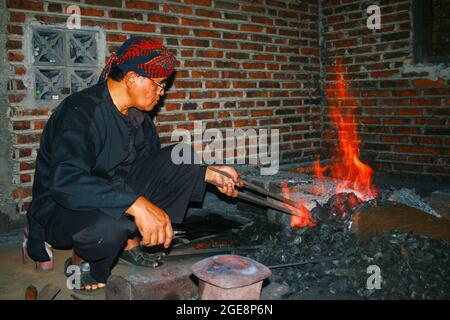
(319, 213)
(343, 204)
(412, 266)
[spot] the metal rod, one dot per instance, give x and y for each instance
(211, 251)
(261, 201)
(178, 234)
(217, 250)
(288, 201)
(293, 264)
(348, 253)
(261, 190)
(265, 202)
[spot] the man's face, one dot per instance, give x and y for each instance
(145, 92)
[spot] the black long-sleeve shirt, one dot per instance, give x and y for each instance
(81, 161)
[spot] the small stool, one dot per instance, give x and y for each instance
(230, 277)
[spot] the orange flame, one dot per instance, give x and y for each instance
(318, 170)
(302, 217)
(350, 173)
(319, 185)
(347, 168)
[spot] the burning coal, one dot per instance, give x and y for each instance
(302, 217)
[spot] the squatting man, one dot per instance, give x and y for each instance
(103, 185)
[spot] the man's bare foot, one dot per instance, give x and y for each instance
(93, 287)
(77, 260)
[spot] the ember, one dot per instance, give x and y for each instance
(302, 217)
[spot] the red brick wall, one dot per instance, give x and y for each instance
(249, 64)
(401, 109)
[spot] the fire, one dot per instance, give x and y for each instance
(347, 169)
(302, 217)
(318, 170)
(319, 187)
(350, 174)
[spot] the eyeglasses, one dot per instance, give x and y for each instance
(161, 86)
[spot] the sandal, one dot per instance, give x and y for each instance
(86, 278)
(84, 267)
(137, 257)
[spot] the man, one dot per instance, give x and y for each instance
(101, 174)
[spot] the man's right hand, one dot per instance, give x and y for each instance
(152, 222)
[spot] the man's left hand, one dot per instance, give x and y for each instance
(224, 184)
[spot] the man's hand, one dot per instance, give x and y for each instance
(152, 222)
(224, 184)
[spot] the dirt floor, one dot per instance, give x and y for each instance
(15, 276)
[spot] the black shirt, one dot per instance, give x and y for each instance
(85, 151)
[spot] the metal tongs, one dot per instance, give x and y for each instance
(278, 202)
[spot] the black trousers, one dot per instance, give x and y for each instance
(100, 238)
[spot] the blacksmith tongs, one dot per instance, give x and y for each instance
(278, 202)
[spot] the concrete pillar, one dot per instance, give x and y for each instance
(6, 163)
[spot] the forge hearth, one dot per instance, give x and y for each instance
(329, 261)
(410, 243)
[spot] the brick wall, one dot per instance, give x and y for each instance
(248, 64)
(401, 109)
(256, 64)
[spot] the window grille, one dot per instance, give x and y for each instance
(64, 61)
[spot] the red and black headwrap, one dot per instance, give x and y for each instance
(142, 55)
